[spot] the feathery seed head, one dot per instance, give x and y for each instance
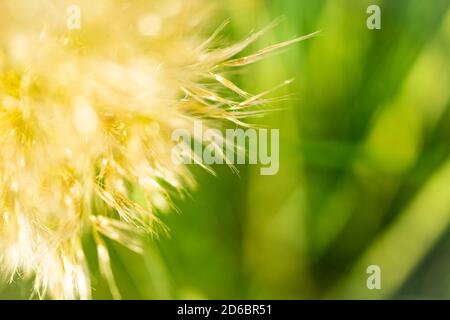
(87, 112)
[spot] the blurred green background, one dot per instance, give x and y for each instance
(364, 169)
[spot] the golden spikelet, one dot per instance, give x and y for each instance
(85, 114)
